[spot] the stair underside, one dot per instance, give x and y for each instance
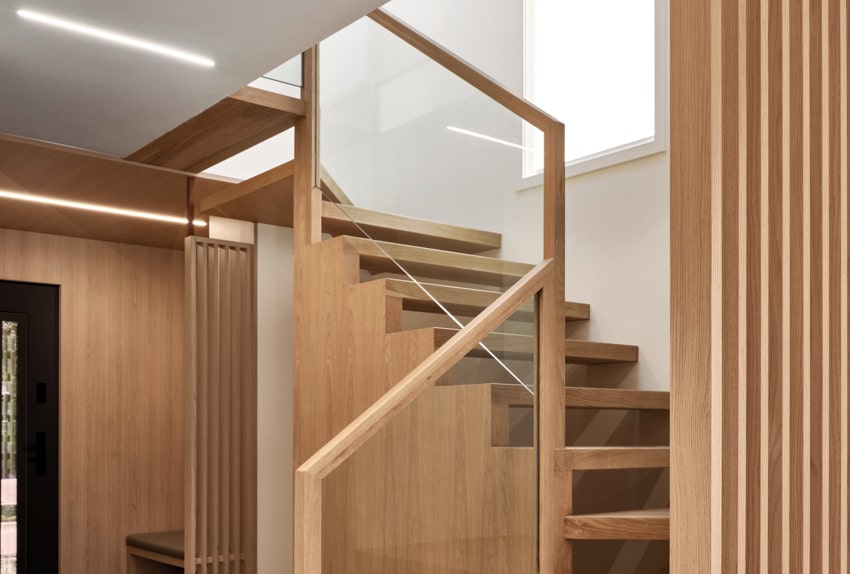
(612, 457)
(469, 302)
(588, 398)
(421, 262)
(267, 198)
(234, 124)
(652, 524)
(510, 346)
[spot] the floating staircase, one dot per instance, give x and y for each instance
(358, 270)
(447, 259)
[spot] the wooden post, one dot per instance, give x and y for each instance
(307, 199)
(190, 205)
(555, 490)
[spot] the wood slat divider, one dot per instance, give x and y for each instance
(759, 390)
(221, 383)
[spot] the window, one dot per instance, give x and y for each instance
(600, 67)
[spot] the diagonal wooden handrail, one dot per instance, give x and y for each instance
(309, 476)
(463, 69)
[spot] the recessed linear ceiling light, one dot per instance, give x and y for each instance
(98, 208)
(115, 37)
(489, 138)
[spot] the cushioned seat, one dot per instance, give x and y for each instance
(168, 543)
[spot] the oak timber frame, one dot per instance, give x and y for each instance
(547, 280)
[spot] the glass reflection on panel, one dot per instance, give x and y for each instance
(8, 450)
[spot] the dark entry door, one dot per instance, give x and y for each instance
(29, 433)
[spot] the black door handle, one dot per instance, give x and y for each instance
(40, 456)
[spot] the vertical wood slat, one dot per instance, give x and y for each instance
(214, 406)
(752, 173)
(815, 275)
(225, 359)
(222, 323)
(249, 419)
(236, 390)
(759, 222)
(832, 295)
(844, 176)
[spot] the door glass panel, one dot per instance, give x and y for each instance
(9, 449)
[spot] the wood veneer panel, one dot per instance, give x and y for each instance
(37, 168)
(121, 398)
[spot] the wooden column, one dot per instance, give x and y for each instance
(759, 333)
(555, 488)
(307, 200)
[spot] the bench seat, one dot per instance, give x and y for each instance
(164, 547)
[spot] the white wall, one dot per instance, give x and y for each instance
(274, 399)
(618, 260)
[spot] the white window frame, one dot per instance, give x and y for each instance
(626, 152)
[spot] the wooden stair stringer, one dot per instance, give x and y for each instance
(341, 332)
(405, 496)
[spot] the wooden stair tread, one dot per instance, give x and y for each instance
(469, 302)
(234, 124)
(649, 524)
(267, 198)
(587, 398)
(612, 457)
(401, 229)
(509, 345)
(379, 257)
(628, 399)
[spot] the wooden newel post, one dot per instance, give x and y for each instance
(307, 199)
(555, 492)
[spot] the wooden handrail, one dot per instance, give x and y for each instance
(309, 476)
(478, 79)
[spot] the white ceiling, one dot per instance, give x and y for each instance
(65, 88)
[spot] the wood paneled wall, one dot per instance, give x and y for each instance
(121, 399)
(759, 210)
(221, 407)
